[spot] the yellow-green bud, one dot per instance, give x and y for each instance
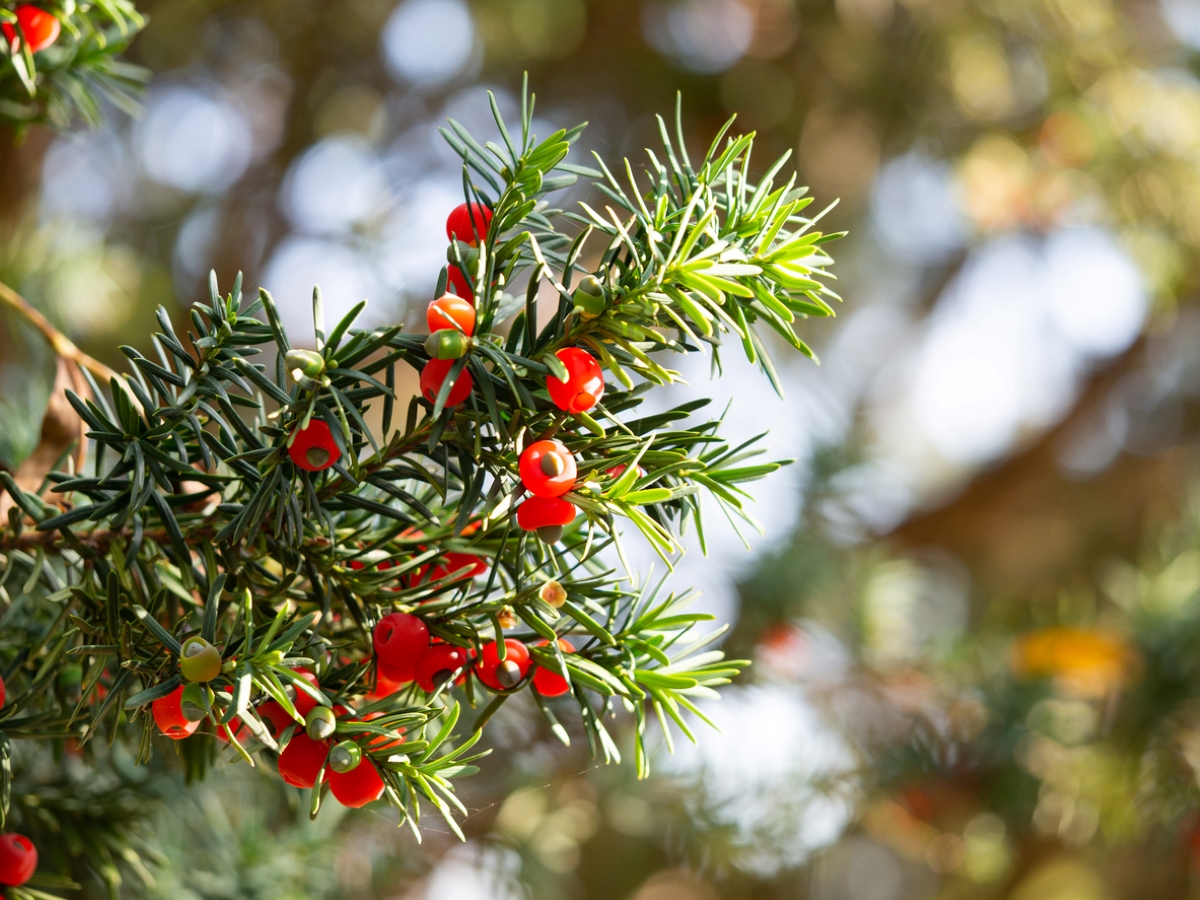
(589, 297)
(199, 660)
(308, 363)
(447, 343)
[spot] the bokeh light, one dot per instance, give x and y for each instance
(343, 273)
(336, 184)
(428, 42)
(700, 35)
(193, 140)
(915, 206)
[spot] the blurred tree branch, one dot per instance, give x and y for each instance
(1027, 522)
(62, 345)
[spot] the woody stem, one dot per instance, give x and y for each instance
(62, 345)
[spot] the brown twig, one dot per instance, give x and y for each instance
(62, 345)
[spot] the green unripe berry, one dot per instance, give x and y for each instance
(447, 343)
(309, 363)
(550, 534)
(320, 723)
(468, 254)
(589, 297)
(199, 660)
(70, 677)
(345, 756)
(196, 702)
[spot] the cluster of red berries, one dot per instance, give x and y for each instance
(41, 28)
(405, 652)
(353, 779)
(547, 469)
(451, 317)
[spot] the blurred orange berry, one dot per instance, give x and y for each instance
(1082, 661)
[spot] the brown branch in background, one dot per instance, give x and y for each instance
(1024, 525)
(62, 345)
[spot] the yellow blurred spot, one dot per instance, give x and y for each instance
(981, 78)
(675, 885)
(840, 152)
(520, 814)
(1155, 111)
(1082, 661)
(1062, 879)
(1087, 18)
(1066, 140)
(995, 178)
(532, 28)
(893, 826)
(987, 855)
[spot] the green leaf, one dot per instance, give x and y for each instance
(161, 634)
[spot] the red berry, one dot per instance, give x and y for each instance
(223, 731)
(502, 674)
(461, 565)
(358, 787)
(3, 692)
(388, 681)
(18, 859)
(40, 27)
(468, 222)
(547, 469)
(547, 682)
(382, 743)
(400, 641)
(458, 281)
(547, 516)
(301, 760)
(615, 472)
(435, 373)
(450, 311)
(584, 385)
(314, 448)
(275, 716)
(168, 715)
(438, 663)
(543, 512)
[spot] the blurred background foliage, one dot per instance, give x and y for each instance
(975, 611)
